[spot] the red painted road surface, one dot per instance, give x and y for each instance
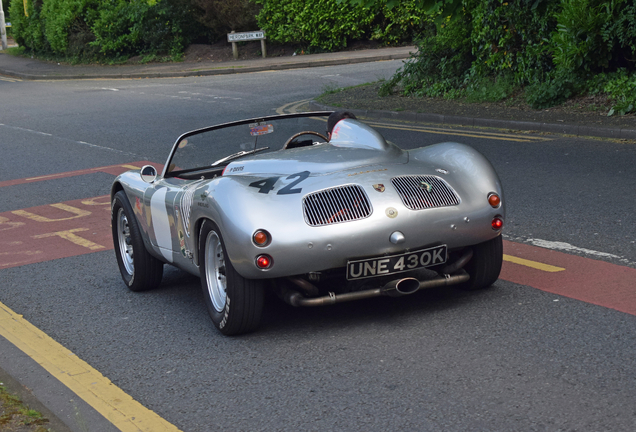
(59, 230)
(585, 279)
(82, 226)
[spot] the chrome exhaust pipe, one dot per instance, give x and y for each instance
(396, 288)
(401, 287)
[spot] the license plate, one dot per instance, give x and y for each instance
(386, 265)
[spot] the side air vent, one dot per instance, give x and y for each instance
(336, 205)
(420, 192)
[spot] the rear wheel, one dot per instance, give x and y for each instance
(234, 303)
(485, 265)
(140, 270)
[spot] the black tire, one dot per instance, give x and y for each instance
(485, 265)
(234, 303)
(140, 270)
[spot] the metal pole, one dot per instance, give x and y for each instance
(3, 29)
(263, 47)
(234, 49)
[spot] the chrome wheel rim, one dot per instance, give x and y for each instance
(215, 271)
(124, 241)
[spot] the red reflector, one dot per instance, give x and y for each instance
(494, 200)
(497, 223)
(263, 261)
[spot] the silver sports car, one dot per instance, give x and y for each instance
(271, 203)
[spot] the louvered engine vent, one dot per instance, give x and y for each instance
(336, 205)
(420, 192)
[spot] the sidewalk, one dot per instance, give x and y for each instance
(32, 69)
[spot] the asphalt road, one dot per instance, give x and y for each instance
(509, 358)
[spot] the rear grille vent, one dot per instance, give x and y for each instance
(421, 192)
(336, 205)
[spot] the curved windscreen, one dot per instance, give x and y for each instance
(212, 148)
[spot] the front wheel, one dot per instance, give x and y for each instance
(485, 265)
(140, 270)
(234, 303)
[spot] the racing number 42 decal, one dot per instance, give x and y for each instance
(265, 186)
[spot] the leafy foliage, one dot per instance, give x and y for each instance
(68, 21)
(137, 27)
(402, 23)
(28, 31)
(223, 16)
(322, 24)
(441, 65)
(512, 37)
(326, 25)
(90, 29)
(549, 48)
(549, 93)
(621, 88)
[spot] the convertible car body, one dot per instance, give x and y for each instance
(269, 203)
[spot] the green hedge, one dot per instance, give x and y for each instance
(327, 25)
(110, 29)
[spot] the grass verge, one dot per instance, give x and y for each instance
(15, 416)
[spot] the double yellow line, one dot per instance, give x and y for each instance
(110, 401)
(293, 107)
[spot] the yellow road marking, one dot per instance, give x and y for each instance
(70, 209)
(130, 166)
(533, 264)
(451, 132)
(70, 236)
(114, 404)
(46, 176)
(485, 134)
(282, 109)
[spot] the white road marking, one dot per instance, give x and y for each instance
(567, 247)
(555, 245)
(70, 140)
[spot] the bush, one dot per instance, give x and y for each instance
(512, 38)
(223, 16)
(491, 48)
(82, 29)
(401, 23)
(595, 36)
(67, 22)
(441, 65)
(551, 92)
(491, 89)
(28, 31)
(321, 24)
(620, 86)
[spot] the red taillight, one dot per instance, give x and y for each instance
(497, 223)
(261, 238)
(264, 261)
(494, 200)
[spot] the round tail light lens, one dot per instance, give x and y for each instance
(264, 261)
(494, 200)
(497, 223)
(261, 238)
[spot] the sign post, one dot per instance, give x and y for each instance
(3, 29)
(247, 36)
